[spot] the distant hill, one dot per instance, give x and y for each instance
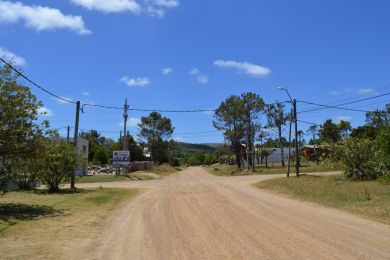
(188, 148)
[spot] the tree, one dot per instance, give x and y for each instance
(383, 144)
(253, 104)
(345, 128)
(366, 132)
(57, 161)
(228, 119)
(100, 156)
(357, 158)
(265, 154)
(19, 129)
(155, 130)
(313, 130)
(379, 117)
(329, 132)
(277, 118)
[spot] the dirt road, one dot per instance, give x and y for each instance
(194, 215)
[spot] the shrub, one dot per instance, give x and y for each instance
(57, 161)
(357, 157)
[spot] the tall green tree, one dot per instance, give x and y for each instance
(277, 118)
(19, 127)
(345, 128)
(228, 119)
(253, 105)
(155, 130)
(329, 132)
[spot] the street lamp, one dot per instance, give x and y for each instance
(294, 103)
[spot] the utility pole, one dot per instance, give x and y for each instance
(296, 138)
(289, 145)
(125, 116)
(120, 137)
(76, 133)
(67, 134)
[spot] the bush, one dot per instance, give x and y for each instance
(385, 179)
(57, 161)
(175, 162)
(357, 157)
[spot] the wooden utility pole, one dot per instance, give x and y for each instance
(125, 116)
(289, 145)
(76, 133)
(67, 134)
(296, 138)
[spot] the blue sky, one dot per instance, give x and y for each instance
(171, 54)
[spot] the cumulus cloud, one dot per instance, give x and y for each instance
(131, 122)
(201, 78)
(167, 71)
(40, 18)
(45, 112)
(343, 118)
(355, 91)
(110, 6)
(159, 7)
(135, 82)
(244, 67)
(12, 57)
(86, 93)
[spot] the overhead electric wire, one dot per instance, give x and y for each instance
(35, 84)
(328, 106)
(343, 104)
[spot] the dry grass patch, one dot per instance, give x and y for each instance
(44, 226)
(369, 199)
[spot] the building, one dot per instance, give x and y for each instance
(83, 148)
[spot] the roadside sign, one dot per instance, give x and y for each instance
(120, 159)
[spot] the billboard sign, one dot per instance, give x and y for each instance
(120, 159)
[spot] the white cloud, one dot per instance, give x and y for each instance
(342, 118)
(12, 57)
(244, 67)
(62, 102)
(131, 122)
(167, 71)
(40, 18)
(178, 139)
(194, 71)
(86, 93)
(45, 112)
(135, 82)
(366, 91)
(158, 7)
(356, 91)
(110, 6)
(202, 79)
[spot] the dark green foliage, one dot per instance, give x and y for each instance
(329, 132)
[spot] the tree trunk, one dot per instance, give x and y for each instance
(266, 162)
(281, 145)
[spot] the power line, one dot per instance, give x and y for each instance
(35, 84)
(343, 104)
(328, 106)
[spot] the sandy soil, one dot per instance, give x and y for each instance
(195, 215)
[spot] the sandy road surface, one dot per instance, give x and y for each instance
(194, 215)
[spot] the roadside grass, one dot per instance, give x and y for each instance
(369, 199)
(275, 168)
(100, 178)
(164, 170)
(41, 225)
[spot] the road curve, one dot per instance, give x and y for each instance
(194, 215)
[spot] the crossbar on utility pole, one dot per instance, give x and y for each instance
(296, 138)
(76, 133)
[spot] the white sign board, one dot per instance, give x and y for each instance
(120, 159)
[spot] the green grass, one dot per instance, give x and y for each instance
(39, 224)
(275, 168)
(101, 178)
(369, 199)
